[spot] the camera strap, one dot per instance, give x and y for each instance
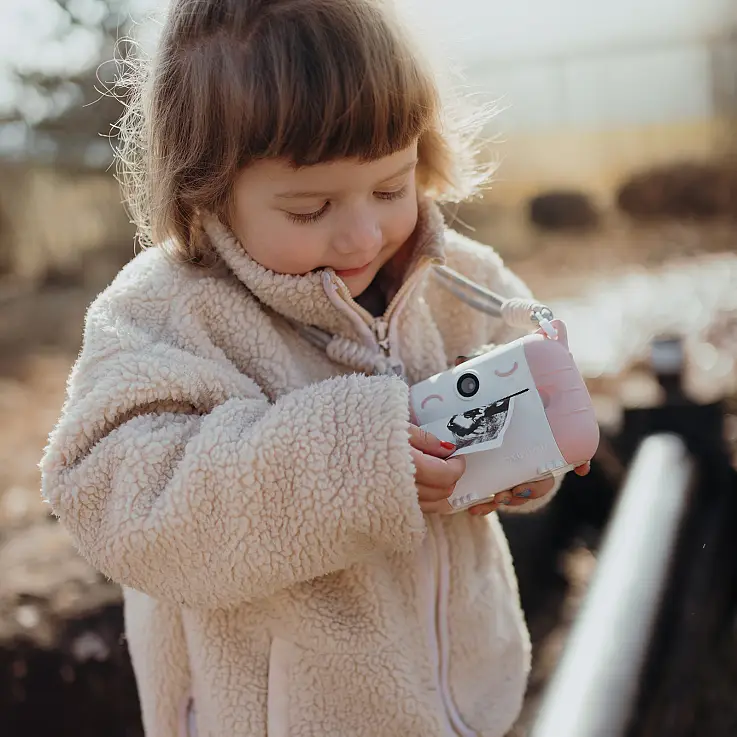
(515, 311)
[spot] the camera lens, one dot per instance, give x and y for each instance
(467, 385)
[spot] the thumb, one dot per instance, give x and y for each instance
(426, 442)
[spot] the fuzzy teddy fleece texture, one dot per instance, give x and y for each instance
(254, 495)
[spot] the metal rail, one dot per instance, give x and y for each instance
(665, 589)
(595, 687)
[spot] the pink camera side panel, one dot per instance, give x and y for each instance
(565, 398)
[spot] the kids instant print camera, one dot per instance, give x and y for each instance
(519, 413)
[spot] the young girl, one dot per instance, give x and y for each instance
(235, 448)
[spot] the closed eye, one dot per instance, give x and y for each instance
(505, 374)
(390, 196)
(427, 399)
(308, 217)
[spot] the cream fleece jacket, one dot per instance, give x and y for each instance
(254, 496)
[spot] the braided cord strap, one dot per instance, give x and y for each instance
(515, 312)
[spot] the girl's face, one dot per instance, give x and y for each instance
(346, 215)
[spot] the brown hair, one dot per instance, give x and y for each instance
(305, 80)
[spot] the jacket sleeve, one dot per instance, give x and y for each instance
(176, 476)
(484, 265)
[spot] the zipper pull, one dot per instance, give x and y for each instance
(394, 367)
(381, 331)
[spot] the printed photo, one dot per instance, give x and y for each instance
(480, 424)
(476, 429)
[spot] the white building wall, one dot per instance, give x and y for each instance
(589, 90)
(638, 86)
(492, 30)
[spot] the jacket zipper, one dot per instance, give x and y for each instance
(378, 332)
(455, 722)
(380, 329)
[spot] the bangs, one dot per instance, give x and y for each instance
(306, 81)
(324, 88)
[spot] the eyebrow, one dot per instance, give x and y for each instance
(315, 194)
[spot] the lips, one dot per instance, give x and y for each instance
(352, 272)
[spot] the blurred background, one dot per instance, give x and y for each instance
(615, 198)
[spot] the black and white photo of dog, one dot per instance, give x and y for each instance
(480, 424)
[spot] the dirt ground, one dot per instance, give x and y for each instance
(46, 588)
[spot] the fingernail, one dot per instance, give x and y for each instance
(526, 494)
(448, 446)
(506, 501)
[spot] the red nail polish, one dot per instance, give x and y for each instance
(448, 446)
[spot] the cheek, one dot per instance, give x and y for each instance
(280, 245)
(403, 220)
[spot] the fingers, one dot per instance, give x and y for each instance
(583, 469)
(439, 507)
(431, 495)
(522, 494)
(436, 477)
(534, 490)
(483, 509)
(427, 443)
(515, 497)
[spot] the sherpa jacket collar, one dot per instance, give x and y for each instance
(320, 299)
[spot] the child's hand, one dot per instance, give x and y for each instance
(523, 493)
(435, 477)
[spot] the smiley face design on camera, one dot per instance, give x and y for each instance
(518, 412)
(473, 388)
(472, 404)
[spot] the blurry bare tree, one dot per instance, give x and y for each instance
(64, 115)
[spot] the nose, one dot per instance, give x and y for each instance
(359, 233)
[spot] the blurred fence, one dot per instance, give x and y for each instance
(51, 218)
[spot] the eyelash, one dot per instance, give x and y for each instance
(312, 217)
(391, 196)
(309, 217)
